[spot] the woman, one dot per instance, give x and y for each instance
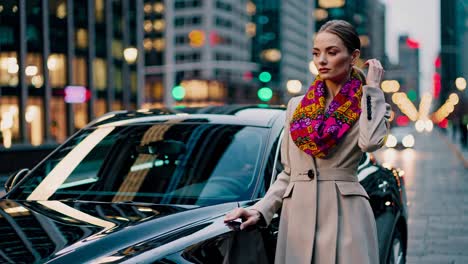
(326, 216)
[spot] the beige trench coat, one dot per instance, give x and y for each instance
(327, 218)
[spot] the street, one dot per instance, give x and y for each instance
(437, 190)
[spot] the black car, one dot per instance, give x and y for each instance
(153, 186)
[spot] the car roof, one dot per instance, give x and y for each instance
(235, 114)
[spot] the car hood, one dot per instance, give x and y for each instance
(78, 232)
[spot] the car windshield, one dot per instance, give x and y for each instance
(194, 164)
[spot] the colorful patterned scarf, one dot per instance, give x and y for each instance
(316, 131)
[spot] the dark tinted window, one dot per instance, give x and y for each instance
(162, 163)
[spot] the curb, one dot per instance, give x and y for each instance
(454, 149)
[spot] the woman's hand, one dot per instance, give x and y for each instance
(375, 73)
(249, 217)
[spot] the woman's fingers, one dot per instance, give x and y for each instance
(234, 214)
(250, 221)
(375, 73)
(251, 217)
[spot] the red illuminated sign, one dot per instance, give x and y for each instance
(437, 62)
(412, 44)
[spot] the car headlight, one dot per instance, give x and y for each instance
(408, 141)
(391, 141)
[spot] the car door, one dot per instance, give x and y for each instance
(272, 170)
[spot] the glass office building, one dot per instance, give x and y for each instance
(65, 62)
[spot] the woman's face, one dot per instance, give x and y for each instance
(332, 58)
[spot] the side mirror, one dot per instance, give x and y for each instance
(15, 178)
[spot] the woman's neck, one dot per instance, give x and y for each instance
(334, 87)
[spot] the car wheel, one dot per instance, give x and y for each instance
(397, 254)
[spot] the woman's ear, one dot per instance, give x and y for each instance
(355, 56)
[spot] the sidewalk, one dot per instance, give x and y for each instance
(453, 141)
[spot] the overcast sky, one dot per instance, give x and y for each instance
(420, 19)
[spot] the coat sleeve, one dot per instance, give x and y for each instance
(373, 122)
(273, 199)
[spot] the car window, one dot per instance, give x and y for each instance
(278, 166)
(269, 172)
(162, 163)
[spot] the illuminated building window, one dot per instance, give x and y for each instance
(159, 25)
(158, 8)
(8, 69)
(80, 115)
(81, 38)
(79, 71)
(251, 29)
(61, 11)
(147, 44)
(100, 74)
(251, 8)
(33, 117)
(117, 49)
(9, 124)
(147, 8)
(148, 26)
(57, 70)
(159, 44)
(100, 107)
(99, 10)
(158, 90)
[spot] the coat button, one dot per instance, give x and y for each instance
(310, 173)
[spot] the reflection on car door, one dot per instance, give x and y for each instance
(270, 233)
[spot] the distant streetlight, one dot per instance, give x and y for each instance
(460, 83)
(320, 14)
(390, 86)
(294, 86)
(31, 70)
(453, 98)
(271, 55)
(130, 54)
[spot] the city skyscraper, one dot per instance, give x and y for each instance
(197, 52)
(283, 44)
(62, 64)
